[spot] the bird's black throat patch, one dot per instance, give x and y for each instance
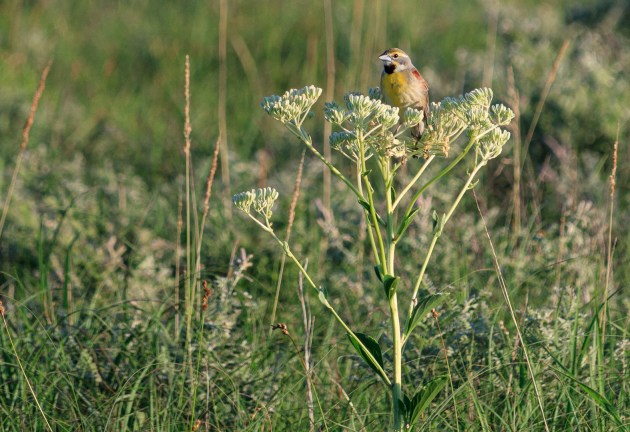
(390, 68)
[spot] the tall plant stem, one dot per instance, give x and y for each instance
(367, 219)
(322, 296)
(437, 234)
(306, 139)
(413, 181)
(370, 196)
(397, 384)
(439, 175)
(393, 299)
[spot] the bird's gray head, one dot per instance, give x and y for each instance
(395, 60)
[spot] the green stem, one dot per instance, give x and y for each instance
(306, 139)
(285, 247)
(393, 299)
(471, 141)
(397, 384)
(413, 180)
(368, 188)
(367, 218)
(437, 234)
(380, 255)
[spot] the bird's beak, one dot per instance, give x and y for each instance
(385, 58)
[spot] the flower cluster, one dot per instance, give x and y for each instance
(261, 199)
(473, 111)
(293, 105)
(361, 113)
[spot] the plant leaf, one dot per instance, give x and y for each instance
(390, 283)
(598, 398)
(379, 272)
(407, 221)
(423, 399)
(366, 206)
(373, 347)
(424, 305)
(323, 297)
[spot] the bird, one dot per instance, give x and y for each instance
(402, 85)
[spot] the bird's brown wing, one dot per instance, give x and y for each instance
(425, 91)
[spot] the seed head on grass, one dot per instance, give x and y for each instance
(282, 327)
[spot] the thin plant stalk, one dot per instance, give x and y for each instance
(189, 286)
(285, 246)
(366, 218)
(206, 209)
(436, 235)
(613, 181)
(285, 331)
(308, 322)
(439, 175)
(296, 192)
(513, 316)
(25, 135)
(330, 93)
(17, 358)
(448, 367)
(180, 223)
(225, 158)
(370, 197)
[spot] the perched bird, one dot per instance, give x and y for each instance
(402, 85)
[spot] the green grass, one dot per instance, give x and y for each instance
(89, 257)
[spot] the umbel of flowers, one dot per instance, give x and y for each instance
(376, 138)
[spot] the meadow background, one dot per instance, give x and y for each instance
(93, 257)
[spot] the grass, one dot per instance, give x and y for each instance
(99, 331)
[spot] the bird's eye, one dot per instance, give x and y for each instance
(395, 56)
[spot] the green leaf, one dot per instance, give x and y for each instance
(323, 296)
(424, 305)
(372, 346)
(364, 204)
(404, 405)
(368, 210)
(438, 223)
(599, 399)
(407, 221)
(390, 283)
(379, 272)
(423, 399)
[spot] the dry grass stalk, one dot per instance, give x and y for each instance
(308, 339)
(512, 315)
(330, 94)
(225, 160)
(206, 207)
(436, 316)
(514, 103)
(17, 357)
(25, 135)
(613, 182)
(296, 193)
(180, 224)
(539, 107)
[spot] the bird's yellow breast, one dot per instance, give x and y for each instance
(395, 89)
